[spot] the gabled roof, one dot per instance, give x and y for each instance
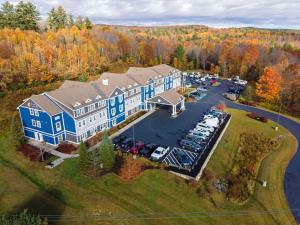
(170, 97)
(46, 104)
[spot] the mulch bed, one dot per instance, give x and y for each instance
(32, 152)
(66, 148)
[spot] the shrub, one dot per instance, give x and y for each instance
(66, 148)
(254, 104)
(257, 117)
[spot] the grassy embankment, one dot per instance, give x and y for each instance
(63, 191)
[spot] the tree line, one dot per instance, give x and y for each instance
(75, 49)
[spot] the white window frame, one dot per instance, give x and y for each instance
(31, 111)
(79, 123)
(38, 124)
(121, 108)
(60, 138)
(36, 112)
(113, 111)
(112, 101)
(58, 126)
(120, 98)
(33, 123)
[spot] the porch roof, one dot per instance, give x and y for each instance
(170, 97)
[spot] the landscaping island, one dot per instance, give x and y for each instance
(155, 196)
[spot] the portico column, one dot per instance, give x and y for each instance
(146, 105)
(174, 111)
(182, 105)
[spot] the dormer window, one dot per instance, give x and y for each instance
(129, 86)
(77, 104)
(98, 97)
(135, 84)
(155, 77)
(88, 100)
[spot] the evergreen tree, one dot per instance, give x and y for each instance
(83, 157)
(16, 134)
(58, 18)
(79, 22)
(179, 52)
(94, 162)
(7, 15)
(88, 24)
(26, 16)
(71, 22)
(106, 153)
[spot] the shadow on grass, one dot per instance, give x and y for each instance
(41, 203)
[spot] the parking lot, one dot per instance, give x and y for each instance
(160, 129)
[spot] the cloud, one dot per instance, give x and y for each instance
(220, 13)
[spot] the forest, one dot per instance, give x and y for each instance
(62, 48)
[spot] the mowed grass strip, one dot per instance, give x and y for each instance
(155, 193)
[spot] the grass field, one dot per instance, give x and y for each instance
(155, 194)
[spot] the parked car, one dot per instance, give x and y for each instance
(213, 122)
(202, 129)
(190, 145)
(183, 159)
(204, 89)
(206, 127)
(159, 153)
(188, 85)
(148, 149)
(200, 133)
(136, 148)
(127, 144)
(194, 137)
(118, 140)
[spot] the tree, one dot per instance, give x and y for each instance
(94, 164)
(88, 24)
(27, 16)
(179, 52)
(71, 22)
(79, 22)
(106, 153)
(83, 157)
(268, 85)
(16, 134)
(7, 15)
(24, 218)
(58, 18)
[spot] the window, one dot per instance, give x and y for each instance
(60, 138)
(121, 108)
(79, 124)
(112, 101)
(113, 111)
(94, 117)
(114, 122)
(31, 112)
(126, 94)
(58, 126)
(146, 88)
(38, 124)
(36, 112)
(91, 119)
(120, 98)
(33, 123)
(57, 117)
(83, 122)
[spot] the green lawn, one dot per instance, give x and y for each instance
(63, 191)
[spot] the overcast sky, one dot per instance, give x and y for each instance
(217, 13)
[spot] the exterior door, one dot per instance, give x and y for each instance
(38, 136)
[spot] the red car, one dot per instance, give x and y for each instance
(136, 148)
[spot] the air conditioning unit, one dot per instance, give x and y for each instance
(105, 82)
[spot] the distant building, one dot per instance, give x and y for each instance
(77, 111)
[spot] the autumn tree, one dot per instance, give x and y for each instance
(268, 85)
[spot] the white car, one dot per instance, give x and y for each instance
(159, 153)
(214, 122)
(198, 134)
(203, 131)
(188, 85)
(209, 116)
(205, 127)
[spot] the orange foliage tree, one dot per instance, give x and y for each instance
(268, 86)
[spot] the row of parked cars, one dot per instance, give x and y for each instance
(236, 88)
(198, 137)
(129, 145)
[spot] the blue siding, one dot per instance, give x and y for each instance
(55, 119)
(47, 138)
(69, 123)
(120, 114)
(44, 118)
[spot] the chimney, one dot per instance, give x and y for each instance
(105, 82)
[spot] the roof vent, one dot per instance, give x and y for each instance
(77, 104)
(105, 82)
(88, 100)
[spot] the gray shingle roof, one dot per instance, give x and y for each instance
(170, 96)
(45, 103)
